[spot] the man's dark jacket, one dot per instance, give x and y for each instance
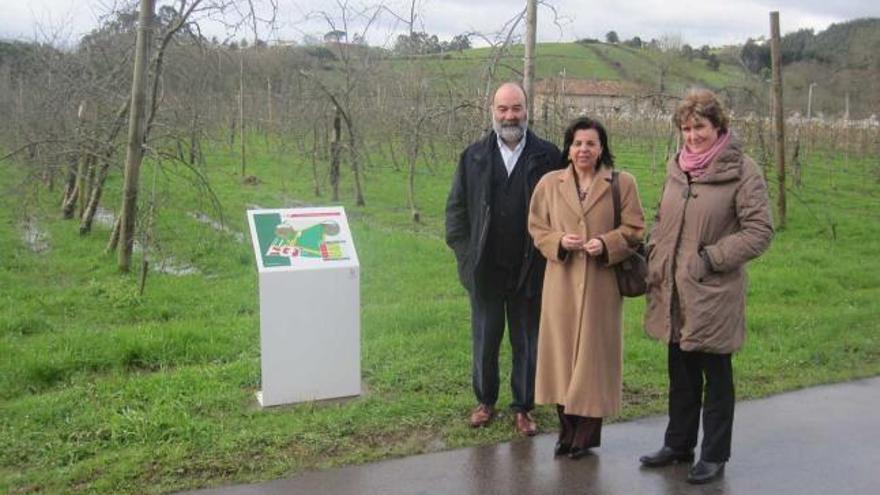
(468, 208)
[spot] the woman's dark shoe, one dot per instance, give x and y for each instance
(561, 449)
(587, 434)
(576, 453)
(704, 472)
(666, 456)
(566, 432)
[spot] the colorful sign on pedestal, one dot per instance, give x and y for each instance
(309, 304)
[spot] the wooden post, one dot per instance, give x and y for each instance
(529, 68)
(810, 102)
(562, 97)
(241, 109)
(135, 149)
(269, 99)
(778, 116)
(846, 132)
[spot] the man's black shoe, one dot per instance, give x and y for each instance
(705, 471)
(666, 456)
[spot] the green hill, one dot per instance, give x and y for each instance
(842, 63)
(842, 60)
(590, 61)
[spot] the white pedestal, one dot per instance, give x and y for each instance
(309, 305)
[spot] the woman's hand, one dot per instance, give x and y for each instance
(594, 247)
(572, 242)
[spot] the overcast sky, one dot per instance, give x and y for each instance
(696, 22)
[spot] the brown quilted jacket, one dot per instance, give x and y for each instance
(723, 214)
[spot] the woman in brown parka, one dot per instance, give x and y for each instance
(713, 218)
(571, 220)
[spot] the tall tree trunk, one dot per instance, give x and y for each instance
(354, 148)
(194, 146)
(88, 182)
(88, 215)
(411, 182)
(317, 183)
(394, 164)
(70, 197)
(355, 167)
(77, 198)
(113, 242)
(135, 151)
(335, 149)
(71, 191)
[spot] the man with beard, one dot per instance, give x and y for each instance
(486, 227)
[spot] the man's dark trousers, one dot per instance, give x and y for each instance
(488, 312)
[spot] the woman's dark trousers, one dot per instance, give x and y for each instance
(688, 372)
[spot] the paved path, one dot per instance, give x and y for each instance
(817, 441)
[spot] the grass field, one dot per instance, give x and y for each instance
(105, 391)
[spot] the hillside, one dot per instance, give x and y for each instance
(847, 62)
(843, 59)
(592, 61)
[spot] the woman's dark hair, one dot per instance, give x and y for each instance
(583, 123)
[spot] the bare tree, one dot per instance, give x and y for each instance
(670, 54)
(139, 128)
(354, 64)
(106, 161)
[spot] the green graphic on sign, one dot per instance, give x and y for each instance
(287, 239)
(265, 224)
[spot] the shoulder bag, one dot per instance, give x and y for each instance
(633, 271)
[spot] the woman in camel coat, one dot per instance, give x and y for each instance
(571, 220)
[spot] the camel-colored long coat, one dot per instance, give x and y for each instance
(580, 338)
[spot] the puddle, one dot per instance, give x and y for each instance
(104, 217)
(37, 240)
(167, 264)
(172, 267)
(201, 217)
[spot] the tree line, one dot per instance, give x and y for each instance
(853, 43)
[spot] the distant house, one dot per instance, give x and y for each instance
(337, 42)
(580, 96)
(335, 36)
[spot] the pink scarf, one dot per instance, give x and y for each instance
(696, 163)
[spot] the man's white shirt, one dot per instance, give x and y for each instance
(511, 156)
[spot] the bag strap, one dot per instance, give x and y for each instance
(615, 197)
